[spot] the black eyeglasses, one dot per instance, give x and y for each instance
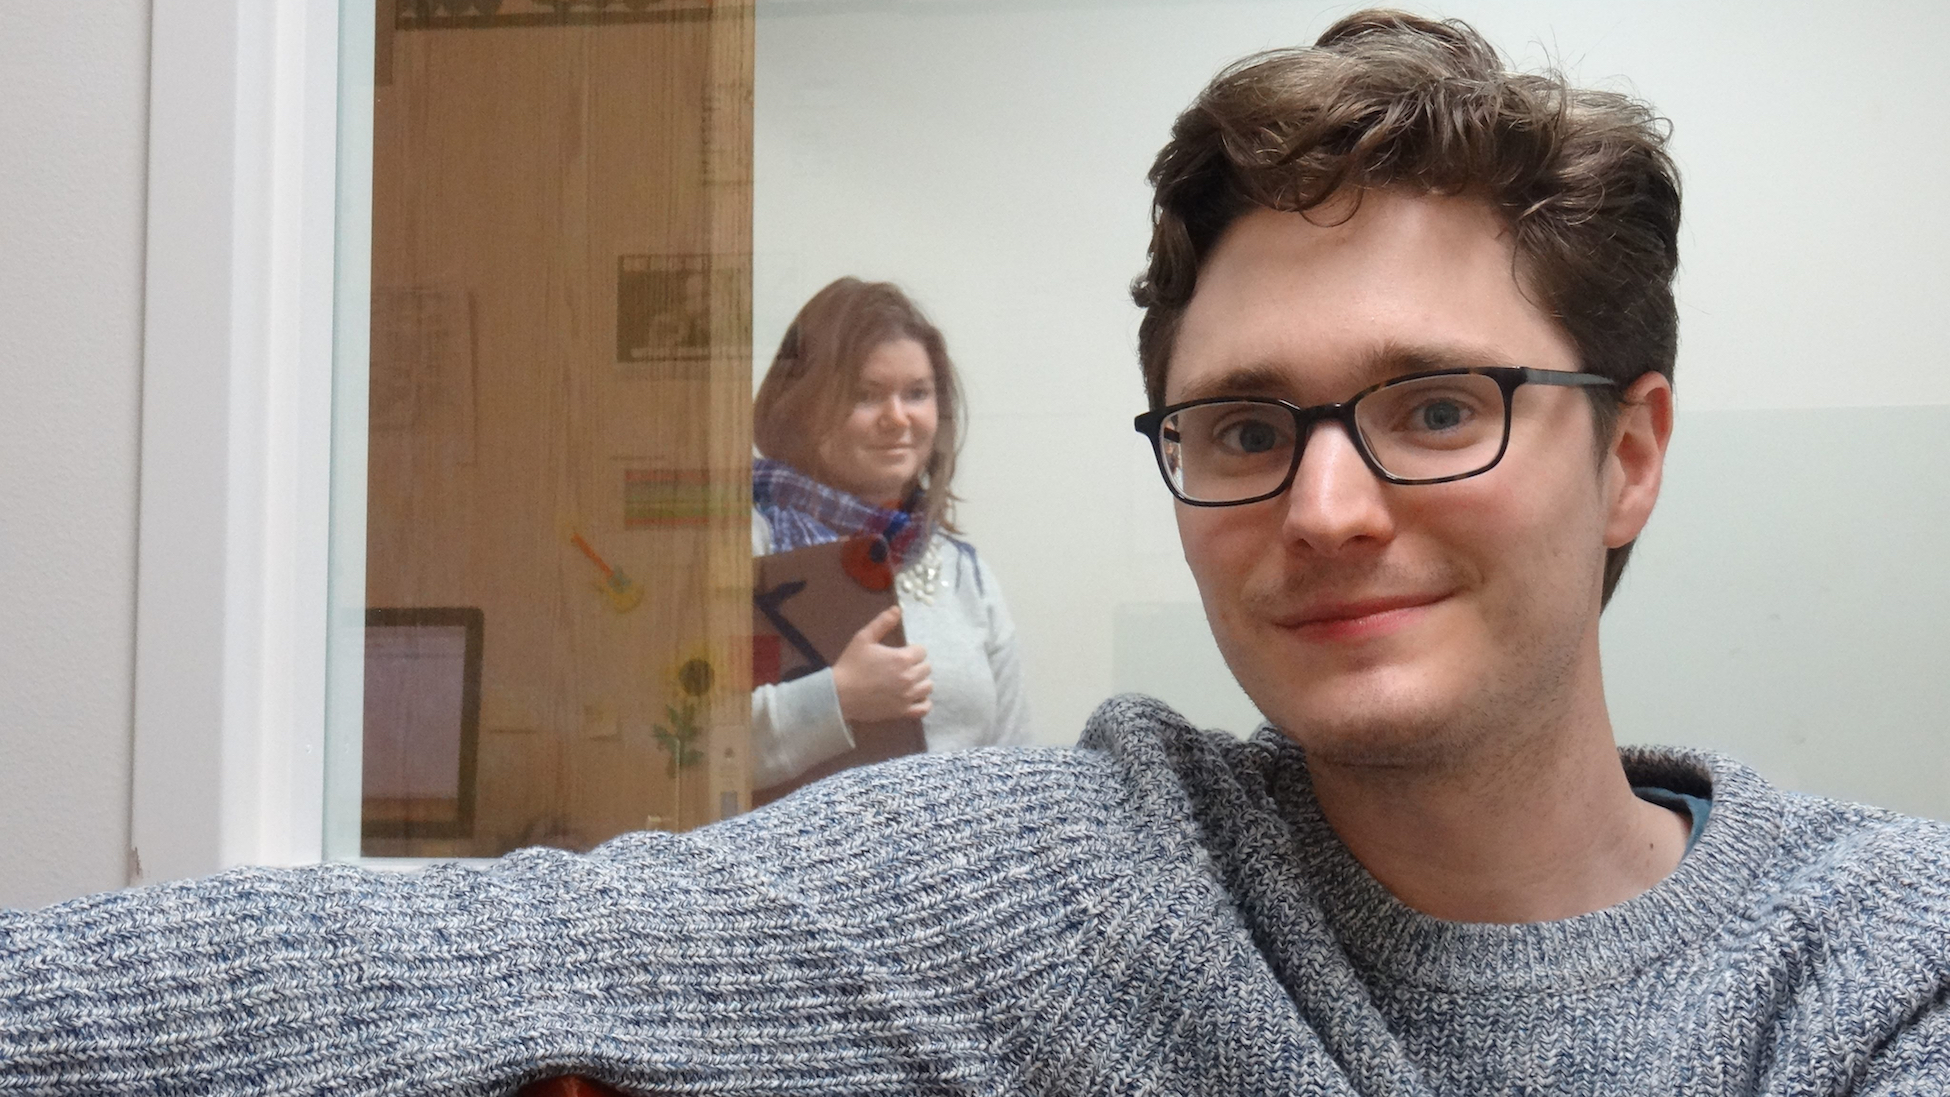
(1422, 428)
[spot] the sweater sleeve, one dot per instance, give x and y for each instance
(796, 949)
(1012, 726)
(795, 726)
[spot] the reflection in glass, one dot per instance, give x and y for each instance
(422, 722)
(559, 424)
(880, 630)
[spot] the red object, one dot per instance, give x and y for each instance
(864, 559)
(569, 1085)
(766, 654)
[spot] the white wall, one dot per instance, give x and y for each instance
(990, 156)
(1787, 603)
(73, 109)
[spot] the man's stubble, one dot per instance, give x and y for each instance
(1498, 712)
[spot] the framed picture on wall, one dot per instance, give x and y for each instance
(663, 308)
(681, 309)
(422, 721)
(411, 15)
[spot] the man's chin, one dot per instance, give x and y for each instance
(1392, 747)
(1371, 723)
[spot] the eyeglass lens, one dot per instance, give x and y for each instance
(1426, 428)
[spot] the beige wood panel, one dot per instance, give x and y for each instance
(514, 168)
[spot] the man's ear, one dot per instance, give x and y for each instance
(1636, 461)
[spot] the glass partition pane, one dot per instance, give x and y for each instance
(556, 632)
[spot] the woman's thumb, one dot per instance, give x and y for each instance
(878, 628)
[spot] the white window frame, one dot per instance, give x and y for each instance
(243, 265)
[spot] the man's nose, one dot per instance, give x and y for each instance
(1336, 501)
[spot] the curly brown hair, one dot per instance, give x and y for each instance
(1389, 99)
(806, 393)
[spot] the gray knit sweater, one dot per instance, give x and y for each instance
(1163, 914)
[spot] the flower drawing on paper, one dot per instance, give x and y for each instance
(691, 681)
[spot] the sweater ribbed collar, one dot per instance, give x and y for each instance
(1316, 913)
(1387, 940)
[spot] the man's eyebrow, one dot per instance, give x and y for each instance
(1393, 359)
(1260, 380)
(1390, 359)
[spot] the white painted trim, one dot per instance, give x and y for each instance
(351, 379)
(236, 429)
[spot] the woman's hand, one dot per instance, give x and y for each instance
(878, 682)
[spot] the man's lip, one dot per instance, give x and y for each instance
(1327, 613)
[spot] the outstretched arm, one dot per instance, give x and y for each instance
(775, 952)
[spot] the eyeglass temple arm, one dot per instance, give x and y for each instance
(1565, 377)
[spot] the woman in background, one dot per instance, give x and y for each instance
(858, 423)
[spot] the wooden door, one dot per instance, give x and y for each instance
(560, 412)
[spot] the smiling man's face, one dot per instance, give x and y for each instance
(1380, 624)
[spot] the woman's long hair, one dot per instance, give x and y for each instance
(809, 389)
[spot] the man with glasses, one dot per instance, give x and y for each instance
(1408, 342)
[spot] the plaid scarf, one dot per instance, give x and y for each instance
(802, 511)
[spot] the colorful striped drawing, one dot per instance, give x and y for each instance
(655, 498)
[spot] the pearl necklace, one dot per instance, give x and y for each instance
(921, 579)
